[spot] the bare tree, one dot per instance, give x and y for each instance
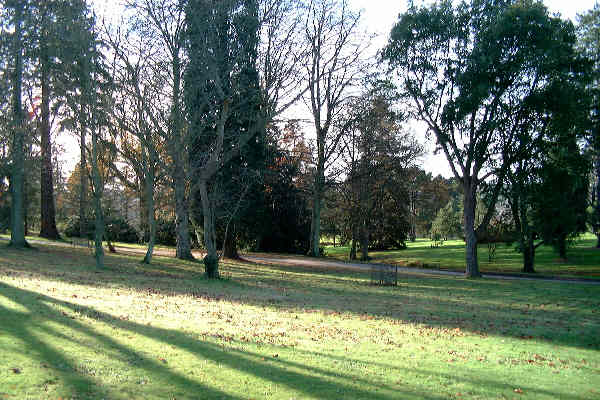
(334, 65)
(139, 112)
(163, 22)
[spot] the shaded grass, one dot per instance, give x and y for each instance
(163, 331)
(583, 258)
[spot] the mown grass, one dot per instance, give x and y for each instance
(133, 331)
(583, 258)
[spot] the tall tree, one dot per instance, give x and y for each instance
(140, 114)
(333, 66)
(377, 152)
(16, 11)
(223, 97)
(163, 21)
(469, 72)
(588, 31)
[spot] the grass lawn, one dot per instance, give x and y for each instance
(583, 258)
(141, 332)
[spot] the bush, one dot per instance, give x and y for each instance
(166, 233)
(72, 227)
(116, 229)
(119, 230)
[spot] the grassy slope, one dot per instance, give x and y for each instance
(162, 331)
(583, 261)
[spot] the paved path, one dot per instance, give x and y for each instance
(320, 263)
(323, 263)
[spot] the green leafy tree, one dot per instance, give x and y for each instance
(588, 32)
(468, 71)
(448, 221)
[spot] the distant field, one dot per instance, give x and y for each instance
(583, 258)
(162, 331)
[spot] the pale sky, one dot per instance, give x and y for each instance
(378, 17)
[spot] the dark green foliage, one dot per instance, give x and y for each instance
(282, 218)
(119, 230)
(223, 102)
(561, 212)
(479, 73)
(72, 227)
(166, 233)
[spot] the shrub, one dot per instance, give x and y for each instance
(116, 229)
(166, 233)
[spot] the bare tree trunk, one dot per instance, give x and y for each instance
(364, 241)
(319, 187)
(144, 227)
(562, 246)
(17, 232)
(470, 204)
(521, 222)
(48, 212)
(184, 248)
(83, 177)
(354, 239)
(150, 211)
(528, 255)
(211, 260)
(98, 191)
(230, 249)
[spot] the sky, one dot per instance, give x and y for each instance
(378, 18)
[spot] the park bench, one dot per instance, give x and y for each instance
(81, 242)
(384, 275)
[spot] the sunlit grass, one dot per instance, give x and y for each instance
(163, 331)
(583, 258)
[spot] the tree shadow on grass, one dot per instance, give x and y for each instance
(299, 377)
(26, 328)
(495, 307)
(307, 380)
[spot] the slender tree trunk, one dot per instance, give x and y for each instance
(144, 227)
(184, 248)
(353, 244)
(364, 241)
(17, 233)
(211, 260)
(562, 246)
(597, 206)
(47, 207)
(230, 249)
(315, 231)
(26, 204)
(470, 204)
(528, 255)
(98, 191)
(521, 221)
(150, 210)
(83, 176)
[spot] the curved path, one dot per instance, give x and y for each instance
(323, 263)
(309, 262)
